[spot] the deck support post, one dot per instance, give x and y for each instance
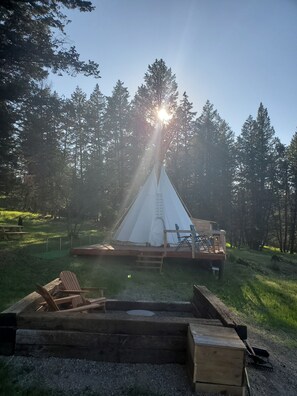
(193, 244)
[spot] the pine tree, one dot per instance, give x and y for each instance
(41, 160)
(32, 43)
(212, 167)
(256, 153)
(292, 159)
(119, 143)
(178, 156)
(95, 178)
(158, 91)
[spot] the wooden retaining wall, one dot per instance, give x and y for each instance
(113, 336)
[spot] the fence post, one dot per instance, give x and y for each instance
(60, 243)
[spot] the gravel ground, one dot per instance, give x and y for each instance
(80, 377)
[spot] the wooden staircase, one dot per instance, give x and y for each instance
(147, 261)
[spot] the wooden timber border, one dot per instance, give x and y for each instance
(113, 336)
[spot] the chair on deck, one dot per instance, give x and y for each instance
(202, 242)
(70, 285)
(183, 240)
(53, 304)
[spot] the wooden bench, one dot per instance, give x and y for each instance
(7, 234)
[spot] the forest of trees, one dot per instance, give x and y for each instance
(78, 156)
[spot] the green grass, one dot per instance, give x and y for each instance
(41, 229)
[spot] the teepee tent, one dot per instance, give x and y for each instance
(156, 207)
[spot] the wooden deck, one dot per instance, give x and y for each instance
(134, 251)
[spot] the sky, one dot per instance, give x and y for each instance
(234, 53)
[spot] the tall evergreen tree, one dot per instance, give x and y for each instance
(158, 91)
(41, 156)
(279, 230)
(292, 159)
(256, 151)
(118, 133)
(212, 167)
(179, 159)
(95, 173)
(32, 43)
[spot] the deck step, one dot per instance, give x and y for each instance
(150, 262)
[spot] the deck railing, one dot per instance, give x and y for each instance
(214, 243)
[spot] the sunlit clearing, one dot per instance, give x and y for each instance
(163, 115)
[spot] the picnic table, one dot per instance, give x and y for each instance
(8, 231)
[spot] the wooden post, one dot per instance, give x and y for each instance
(221, 271)
(60, 243)
(193, 245)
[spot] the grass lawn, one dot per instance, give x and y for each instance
(262, 291)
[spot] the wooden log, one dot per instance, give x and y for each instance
(8, 318)
(110, 323)
(219, 389)
(118, 305)
(104, 347)
(213, 306)
(30, 301)
(7, 340)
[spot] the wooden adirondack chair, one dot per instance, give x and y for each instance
(54, 304)
(70, 285)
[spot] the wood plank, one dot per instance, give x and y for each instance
(116, 347)
(217, 353)
(124, 305)
(148, 267)
(7, 340)
(114, 323)
(213, 305)
(93, 340)
(219, 366)
(153, 356)
(30, 301)
(132, 251)
(219, 389)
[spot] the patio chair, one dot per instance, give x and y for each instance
(53, 304)
(70, 285)
(202, 242)
(183, 240)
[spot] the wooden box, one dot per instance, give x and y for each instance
(230, 390)
(216, 355)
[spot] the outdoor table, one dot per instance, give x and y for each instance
(8, 230)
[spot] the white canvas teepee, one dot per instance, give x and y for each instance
(156, 207)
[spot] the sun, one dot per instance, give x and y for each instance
(163, 115)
